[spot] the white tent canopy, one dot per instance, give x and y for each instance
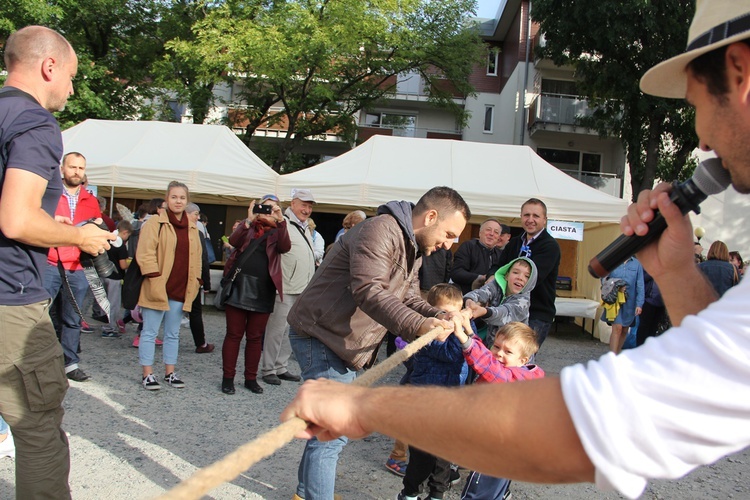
(494, 179)
(147, 155)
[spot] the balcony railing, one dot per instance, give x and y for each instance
(601, 181)
(558, 109)
(419, 132)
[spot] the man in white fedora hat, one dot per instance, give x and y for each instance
(679, 401)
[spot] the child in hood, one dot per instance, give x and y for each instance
(505, 298)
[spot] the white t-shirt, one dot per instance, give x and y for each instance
(679, 401)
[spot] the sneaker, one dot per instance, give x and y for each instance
(396, 466)
(455, 477)
(110, 335)
(204, 349)
(137, 341)
(77, 375)
(185, 321)
(173, 380)
(121, 325)
(8, 447)
(86, 328)
(158, 341)
(402, 496)
(150, 384)
(507, 495)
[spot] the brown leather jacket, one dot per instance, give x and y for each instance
(366, 286)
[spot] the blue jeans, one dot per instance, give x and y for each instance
(541, 328)
(71, 321)
(151, 323)
(316, 475)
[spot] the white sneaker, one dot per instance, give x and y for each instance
(8, 447)
(185, 321)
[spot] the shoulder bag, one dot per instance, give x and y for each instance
(227, 282)
(132, 282)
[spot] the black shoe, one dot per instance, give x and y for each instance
(227, 386)
(100, 319)
(77, 375)
(272, 379)
(254, 387)
(455, 477)
(289, 377)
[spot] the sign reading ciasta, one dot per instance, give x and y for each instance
(564, 230)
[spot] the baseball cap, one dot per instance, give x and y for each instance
(303, 195)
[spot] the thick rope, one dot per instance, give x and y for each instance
(266, 444)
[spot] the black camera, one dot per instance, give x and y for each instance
(104, 267)
(262, 209)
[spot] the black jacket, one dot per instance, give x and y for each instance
(545, 252)
(473, 259)
(436, 268)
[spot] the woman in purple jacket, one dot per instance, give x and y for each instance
(254, 290)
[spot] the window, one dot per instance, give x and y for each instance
(572, 160)
(592, 162)
(492, 56)
(561, 158)
(563, 87)
(489, 119)
(402, 125)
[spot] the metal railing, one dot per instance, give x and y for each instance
(558, 109)
(601, 181)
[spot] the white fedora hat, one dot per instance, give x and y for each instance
(716, 23)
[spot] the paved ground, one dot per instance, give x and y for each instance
(128, 443)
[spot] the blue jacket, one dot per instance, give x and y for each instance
(440, 363)
(720, 273)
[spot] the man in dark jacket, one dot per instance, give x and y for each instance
(475, 258)
(537, 244)
(368, 284)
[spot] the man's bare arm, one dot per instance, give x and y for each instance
(23, 219)
(531, 436)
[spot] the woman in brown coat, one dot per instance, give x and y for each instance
(169, 254)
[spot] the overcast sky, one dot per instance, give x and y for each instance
(487, 8)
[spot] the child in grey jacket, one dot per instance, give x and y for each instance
(505, 297)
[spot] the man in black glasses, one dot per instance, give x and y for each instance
(536, 244)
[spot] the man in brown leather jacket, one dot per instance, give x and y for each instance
(366, 286)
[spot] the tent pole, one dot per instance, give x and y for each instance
(111, 201)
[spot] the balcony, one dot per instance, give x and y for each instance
(558, 112)
(604, 182)
(366, 131)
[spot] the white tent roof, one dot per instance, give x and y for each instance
(494, 179)
(147, 155)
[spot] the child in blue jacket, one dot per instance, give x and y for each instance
(438, 363)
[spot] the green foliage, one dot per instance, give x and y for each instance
(323, 61)
(611, 44)
(116, 46)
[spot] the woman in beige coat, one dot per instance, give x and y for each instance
(169, 254)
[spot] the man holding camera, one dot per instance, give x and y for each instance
(297, 269)
(41, 65)
(75, 205)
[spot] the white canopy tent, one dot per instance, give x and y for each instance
(494, 179)
(139, 157)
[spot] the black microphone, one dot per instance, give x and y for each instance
(709, 178)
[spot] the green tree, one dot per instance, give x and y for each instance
(188, 78)
(116, 45)
(322, 61)
(610, 44)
